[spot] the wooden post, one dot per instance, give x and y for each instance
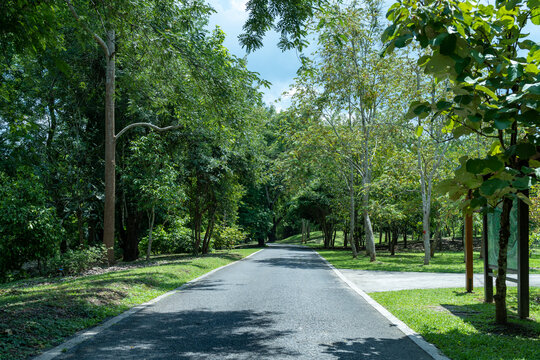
(523, 257)
(488, 279)
(469, 252)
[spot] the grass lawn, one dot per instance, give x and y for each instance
(38, 314)
(463, 327)
(446, 262)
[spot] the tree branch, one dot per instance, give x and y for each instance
(151, 126)
(87, 29)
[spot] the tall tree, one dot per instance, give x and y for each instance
(110, 20)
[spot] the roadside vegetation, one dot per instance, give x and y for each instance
(461, 324)
(39, 313)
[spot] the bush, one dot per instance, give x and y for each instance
(227, 237)
(29, 227)
(78, 260)
(171, 240)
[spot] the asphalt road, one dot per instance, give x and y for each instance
(282, 303)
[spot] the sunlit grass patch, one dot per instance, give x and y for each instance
(462, 326)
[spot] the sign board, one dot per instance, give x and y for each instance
(494, 225)
(518, 252)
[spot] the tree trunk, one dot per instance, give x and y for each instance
(110, 171)
(327, 234)
(130, 241)
(151, 219)
(304, 231)
(380, 236)
(501, 316)
(393, 241)
(272, 235)
(197, 223)
(425, 233)
(436, 240)
(352, 217)
(370, 244)
(208, 233)
(405, 238)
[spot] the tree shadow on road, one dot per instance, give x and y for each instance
(374, 348)
(187, 335)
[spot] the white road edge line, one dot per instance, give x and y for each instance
(87, 334)
(429, 348)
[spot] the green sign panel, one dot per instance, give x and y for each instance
(494, 225)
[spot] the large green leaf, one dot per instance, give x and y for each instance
(532, 88)
(534, 5)
(522, 183)
(444, 105)
(490, 92)
(403, 40)
(439, 64)
(448, 45)
(502, 124)
(490, 186)
(484, 166)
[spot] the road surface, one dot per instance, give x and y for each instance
(282, 303)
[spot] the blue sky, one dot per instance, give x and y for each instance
(270, 62)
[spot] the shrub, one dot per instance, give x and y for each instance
(169, 240)
(227, 237)
(29, 227)
(78, 260)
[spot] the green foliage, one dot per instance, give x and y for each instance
(492, 68)
(29, 227)
(172, 239)
(29, 25)
(76, 261)
(292, 16)
(227, 237)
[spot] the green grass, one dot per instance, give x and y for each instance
(463, 327)
(443, 262)
(447, 262)
(40, 313)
